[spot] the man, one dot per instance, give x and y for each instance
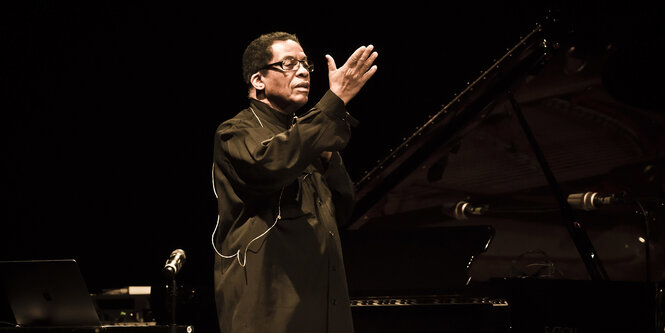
(282, 191)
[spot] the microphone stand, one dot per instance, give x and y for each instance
(172, 295)
(647, 237)
(575, 228)
(171, 269)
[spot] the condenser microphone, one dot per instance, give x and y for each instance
(591, 200)
(463, 209)
(174, 263)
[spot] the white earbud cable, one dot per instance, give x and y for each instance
(243, 261)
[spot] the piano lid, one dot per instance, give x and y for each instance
(475, 151)
(427, 148)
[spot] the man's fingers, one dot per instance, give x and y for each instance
(368, 61)
(362, 58)
(356, 56)
(368, 74)
(331, 63)
(347, 80)
(367, 52)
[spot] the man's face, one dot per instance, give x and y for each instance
(287, 90)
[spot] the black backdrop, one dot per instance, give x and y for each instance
(110, 109)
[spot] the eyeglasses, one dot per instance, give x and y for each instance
(291, 64)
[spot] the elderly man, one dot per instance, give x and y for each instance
(282, 190)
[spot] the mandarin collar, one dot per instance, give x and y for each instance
(272, 115)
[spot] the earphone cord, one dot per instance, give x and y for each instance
(243, 261)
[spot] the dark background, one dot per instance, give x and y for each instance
(109, 108)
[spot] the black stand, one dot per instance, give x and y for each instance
(647, 237)
(575, 228)
(173, 293)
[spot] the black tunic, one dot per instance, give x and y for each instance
(279, 208)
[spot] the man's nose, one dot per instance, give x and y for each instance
(302, 70)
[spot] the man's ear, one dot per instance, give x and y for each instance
(257, 81)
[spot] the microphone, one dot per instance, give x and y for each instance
(463, 209)
(591, 200)
(174, 263)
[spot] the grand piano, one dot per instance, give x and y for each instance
(531, 202)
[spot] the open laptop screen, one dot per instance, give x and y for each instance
(48, 293)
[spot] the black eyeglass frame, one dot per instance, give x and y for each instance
(305, 63)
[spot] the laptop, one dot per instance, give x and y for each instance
(48, 293)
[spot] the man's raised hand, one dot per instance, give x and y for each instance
(347, 80)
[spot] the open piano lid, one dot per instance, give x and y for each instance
(475, 151)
